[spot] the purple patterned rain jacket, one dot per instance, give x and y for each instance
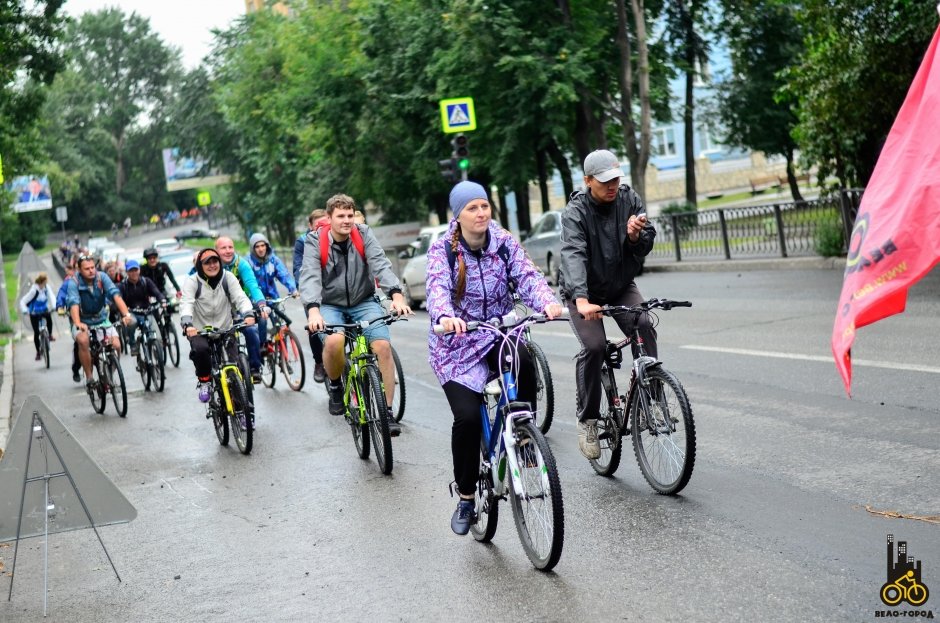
(460, 358)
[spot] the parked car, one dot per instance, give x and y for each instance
(196, 232)
(163, 245)
(543, 244)
(180, 262)
(414, 275)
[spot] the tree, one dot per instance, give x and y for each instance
(764, 39)
(849, 83)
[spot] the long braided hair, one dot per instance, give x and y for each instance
(461, 285)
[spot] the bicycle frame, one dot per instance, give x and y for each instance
(358, 355)
(226, 367)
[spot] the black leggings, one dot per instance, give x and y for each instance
(468, 424)
(199, 353)
(34, 320)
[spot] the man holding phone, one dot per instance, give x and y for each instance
(604, 232)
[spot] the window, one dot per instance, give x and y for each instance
(664, 142)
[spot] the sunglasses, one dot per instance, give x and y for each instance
(86, 258)
(211, 260)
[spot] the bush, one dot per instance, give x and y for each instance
(686, 218)
(830, 238)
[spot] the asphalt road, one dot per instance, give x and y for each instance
(772, 526)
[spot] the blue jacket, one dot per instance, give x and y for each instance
(92, 299)
(63, 292)
(299, 254)
(268, 272)
(241, 268)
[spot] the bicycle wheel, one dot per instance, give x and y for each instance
(268, 368)
(157, 370)
(537, 507)
(116, 384)
(44, 347)
(217, 412)
(486, 502)
(398, 401)
(241, 423)
(609, 431)
(96, 393)
(171, 345)
(377, 416)
(663, 435)
(360, 431)
(246, 375)
(143, 365)
(292, 361)
(546, 389)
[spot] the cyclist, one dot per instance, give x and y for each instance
(37, 303)
(60, 306)
(469, 275)
(87, 300)
(158, 272)
(269, 269)
(137, 291)
(343, 290)
(316, 218)
(604, 231)
(209, 295)
(240, 267)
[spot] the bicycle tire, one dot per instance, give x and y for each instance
(292, 361)
(97, 393)
(669, 445)
(240, 417)
(545, 387)
(377, 417)
(537, 507)
(219, 417)
(610, 428)
(44, 346)
(119, 388)
(268, 368)
(172, 344)
(246, 376)
(398, 398)
(143, 365)
(485, 502)
(157, 370)
(360, 431)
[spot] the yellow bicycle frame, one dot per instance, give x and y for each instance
(223, 377)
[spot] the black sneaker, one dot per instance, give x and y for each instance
(75, 377)
(319, 373)
(336, 398)
(394, 428)
(463, 517)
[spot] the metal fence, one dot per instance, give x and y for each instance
(772, 230)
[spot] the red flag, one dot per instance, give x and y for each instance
(896, 238)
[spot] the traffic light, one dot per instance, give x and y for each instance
(461, 151)
(449, 169)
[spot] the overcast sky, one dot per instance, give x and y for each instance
(186, 24)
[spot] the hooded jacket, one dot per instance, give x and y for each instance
(347, 279)
(598, 261)
(270, 270)
(460, 358)
(213, 308)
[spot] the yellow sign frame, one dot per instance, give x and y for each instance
(447, 127)
(203, 199)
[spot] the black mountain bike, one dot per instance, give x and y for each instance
(230, 406)
(168, 334)
(655, 410)
(108, 375)
(150, 353)
(44, 343)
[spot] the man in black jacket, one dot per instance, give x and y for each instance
(604, 232)
(137, 291)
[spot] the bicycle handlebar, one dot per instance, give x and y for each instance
(507, 321)
(361, 325)
(211, 331)
(645, 306)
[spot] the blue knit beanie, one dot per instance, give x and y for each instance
(463, 193)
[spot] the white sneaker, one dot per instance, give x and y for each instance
(587, 439)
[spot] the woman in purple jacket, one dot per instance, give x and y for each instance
(468, 279)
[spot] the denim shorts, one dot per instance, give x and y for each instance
(369, 309)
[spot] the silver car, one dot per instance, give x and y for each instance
(544, 244)
(414, 276)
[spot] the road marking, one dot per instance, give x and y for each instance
(910, 367)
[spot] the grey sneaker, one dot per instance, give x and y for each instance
(587, 439)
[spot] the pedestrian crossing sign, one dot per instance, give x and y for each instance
(203, 199)
(457, 115)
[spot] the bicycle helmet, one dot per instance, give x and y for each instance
(151, 251)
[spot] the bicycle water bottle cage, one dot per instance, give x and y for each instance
(493, 388)
(614, 355)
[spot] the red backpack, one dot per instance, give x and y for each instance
(355, 236)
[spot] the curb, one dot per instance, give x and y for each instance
(6, 396)
(780, 263)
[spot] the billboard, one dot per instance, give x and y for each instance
(32, 193)
(183, 172)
